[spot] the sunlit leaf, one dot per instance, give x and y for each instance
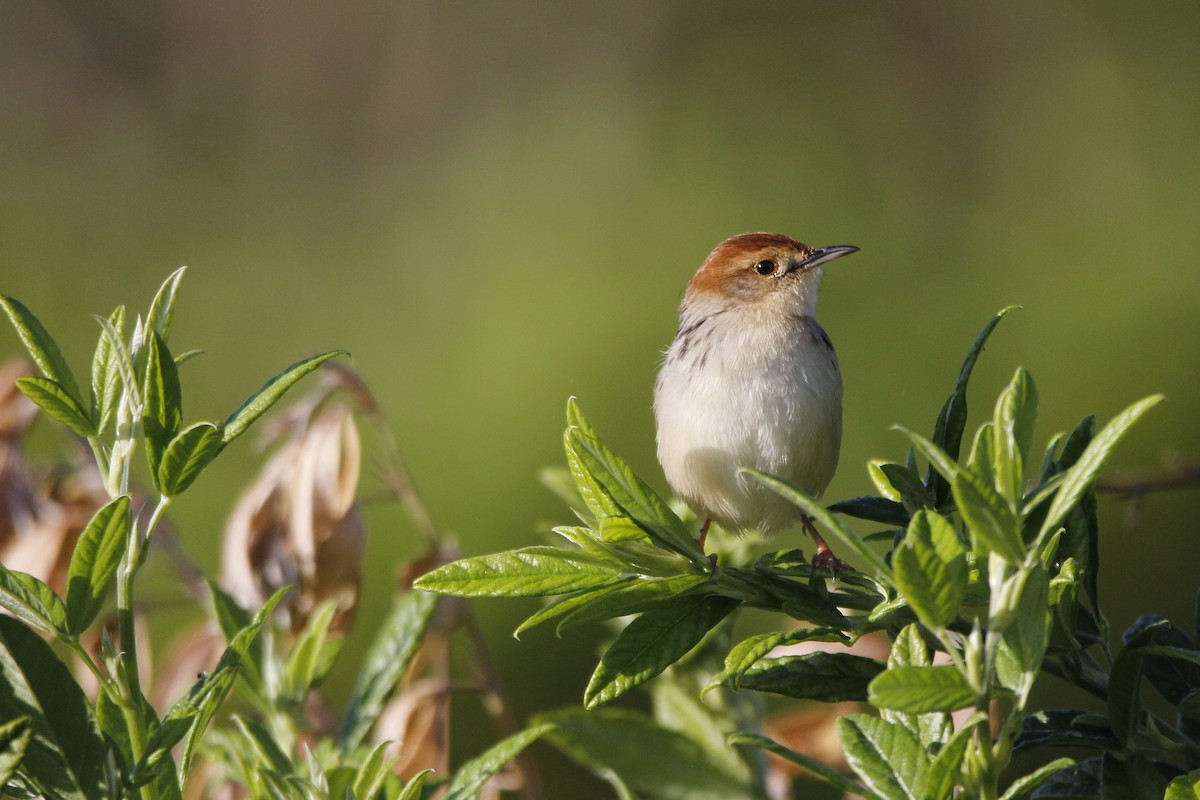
(30, 600)
(94, 563)
(632, 598)
(888, 758)
(653, 642)
(1024, 641)
(270, 393)
(162, 309)
(41, 347)
(162, 396)
(633, 496)
(55, 400)
(931, 569)
(530, 571)
(820, 514)
(1080, 476)
(912, 491)
(992, 524)
(748, 652)
(187, 454)
(921, 690)
(106, 375)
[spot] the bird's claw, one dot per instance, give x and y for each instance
(825, 559)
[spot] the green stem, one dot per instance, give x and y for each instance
(132, 684)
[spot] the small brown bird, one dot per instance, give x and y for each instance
(752, 380)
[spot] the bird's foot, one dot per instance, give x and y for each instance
(703, 535)
(824, 557)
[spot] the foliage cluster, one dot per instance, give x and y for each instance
(981, 577)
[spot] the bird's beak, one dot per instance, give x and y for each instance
(823, 254)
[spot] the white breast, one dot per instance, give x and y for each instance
(734, 393)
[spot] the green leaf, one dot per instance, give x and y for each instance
(630, 749)
(921, 690)
(386, 662)
(820, 514)
(119, 358)
(32, 601)
(875, 509)
(187, 454)
(270, 393)
(162, 309)
(888, 758)
(593, 494)
(946, 768)
(952, 421)
(94, 563)
(64, 758)
(632, 598)
(1080, 476)
(1014, 419)
(528, 572)
(213, 690)
(634, 497)
(471, 776)
(1028, 783)
(106, 376)
(562, 605)
(312, 655)
(174, 726)
(620, 529)
(912, 490)
(810, 765)
(980, 461)
(267, 752)
(41, 347)
(931, 569)
(1183, 787)
(162, 415)
(55, 400)
(14, 739)
(828, 677)
(991, 521)
(415, 785)
(1023, 643)
(748, 652)
(908, 650)
(231, 618)
(373, 773)
(939, 459)
(653, 642)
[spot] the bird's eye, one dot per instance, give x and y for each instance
(765, 267)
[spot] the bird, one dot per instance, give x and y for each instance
(752, 380)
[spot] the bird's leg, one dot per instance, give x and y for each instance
(703, 534)
(824, 557)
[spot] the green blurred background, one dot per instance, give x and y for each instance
(496, 206)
